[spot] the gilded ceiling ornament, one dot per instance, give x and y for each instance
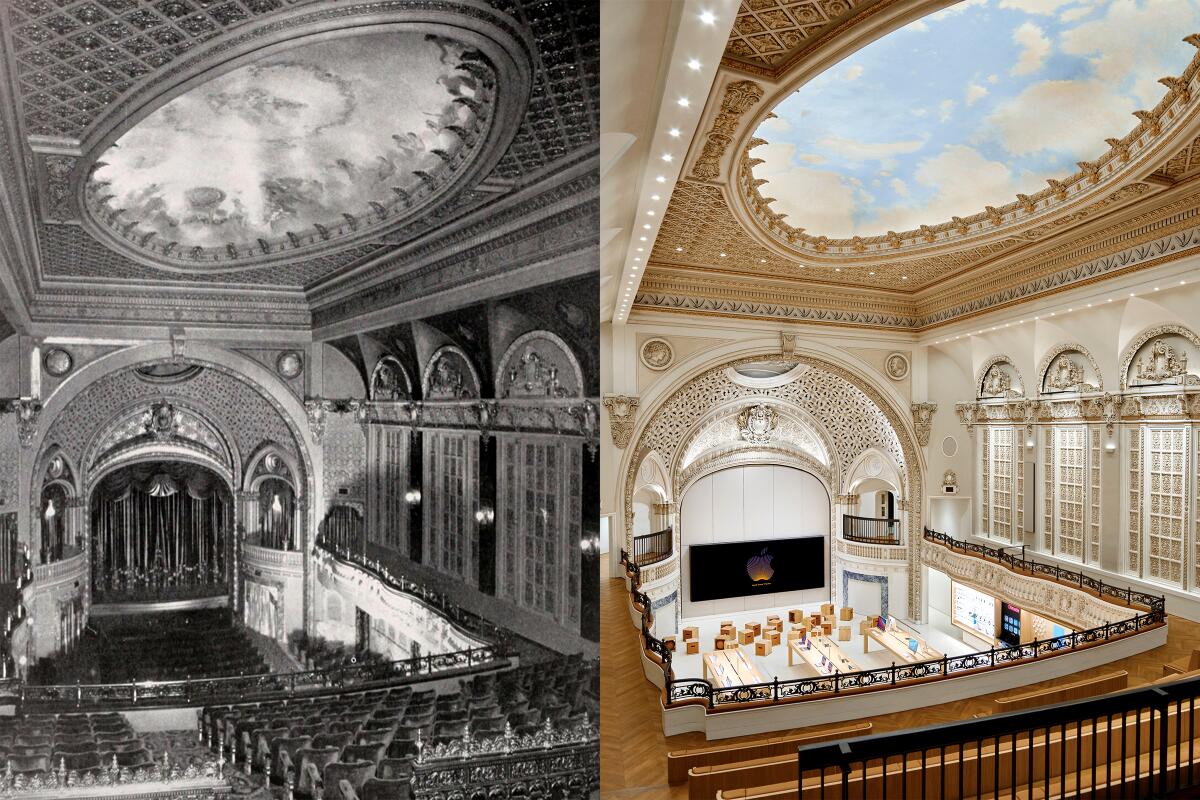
(289, 364)
(922, 414)
(757, 423)
(950, 478)
(897, 366)
(315, 409)
(622, 410)
(740, 96)
(967, 414)
(657, 354)
(161, 421)
(787, 344)
(58, 362)
(58, 187)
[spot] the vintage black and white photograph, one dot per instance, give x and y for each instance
(299, 399)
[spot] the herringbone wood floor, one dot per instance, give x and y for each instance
(633, 750)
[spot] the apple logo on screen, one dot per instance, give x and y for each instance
(759, 567)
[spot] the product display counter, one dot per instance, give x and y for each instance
(906, 646)
(821, 654)
(731, 668)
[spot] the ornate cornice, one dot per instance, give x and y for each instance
(739, 97)
(1070, 347)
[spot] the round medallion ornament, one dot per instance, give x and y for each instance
(897, 366)
(949, 447)
(58, 362)
(289, 364)
(56, 468)
(657, 354)
(874, 466)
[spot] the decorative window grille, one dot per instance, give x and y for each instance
(539, 524)
(1000, 495)
(1069, 468)
(1094, 519)
(1165, 502)
(452, 497)
(1135, 501)
(389, 482)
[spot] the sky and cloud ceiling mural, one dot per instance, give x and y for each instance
(295, 140)
(966, 108)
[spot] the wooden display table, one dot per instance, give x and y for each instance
(896, 640)
(834, 659)
(731, 668)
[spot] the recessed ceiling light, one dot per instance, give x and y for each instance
(641, 238)
(655, 197)
(637, 258)
(903, 277)
(646, 226)
(1181, 283)
(837, 269)
(678, 249)
(694, 64)
(1110, 299)
(1052, 313)
(871, 274)
(667, 157)
(1133, 294)
(1156, 288)
(1089, 305)
(762, 261)
(1070, 310)
(641, 249)
(673, 132)
(660, 179)
(684, 102)
(708, 17)
(722, 255)
(649, 213)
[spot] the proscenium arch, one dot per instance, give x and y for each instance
(258, 377)
(883, 397)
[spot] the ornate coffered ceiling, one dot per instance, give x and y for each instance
(769, 36)
(722, 250)
(104, 240)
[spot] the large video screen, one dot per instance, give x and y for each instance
(737, 569)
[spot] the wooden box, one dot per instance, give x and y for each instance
(846, 614)
(746, 636)
(690, 633)
(762, 647)
(693, 646)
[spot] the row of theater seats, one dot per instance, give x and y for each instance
(78, 743)
(208, 646)
(362, 744)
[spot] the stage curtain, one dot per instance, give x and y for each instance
(159, 531)
(276, 514)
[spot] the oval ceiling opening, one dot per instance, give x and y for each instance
(305, 147)
(966, 108)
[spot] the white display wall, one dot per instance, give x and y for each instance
(746, 503)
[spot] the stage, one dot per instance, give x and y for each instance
(159, 606)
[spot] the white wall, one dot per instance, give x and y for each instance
(744, 504)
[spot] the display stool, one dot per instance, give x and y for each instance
(827, 628)
(754, 626)
(746, 636)
(693, 646)
(843, 633)
(762, 647)
(726, 623)
(826, 609)
(690, 633)
(796, 633)
(795, 615)
(669, 641)
(773, 635)
(846, 614)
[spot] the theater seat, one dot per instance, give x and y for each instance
(21, 764)
(312, 762)
(339, 775)
(284, 755)
(381, 789)
(88, 761)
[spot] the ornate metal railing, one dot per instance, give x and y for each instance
(206, 691)
(652, 548)
(697, 690)
(870, 530)
(468, 622)
(1054, 572)
(563, 762)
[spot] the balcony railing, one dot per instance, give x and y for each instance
(679, 691)
(870, 530)
(1142, 735)
(652, 548)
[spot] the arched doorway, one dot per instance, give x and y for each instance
(161, 530)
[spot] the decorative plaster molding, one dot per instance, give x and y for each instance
(740, 97)
(922, 414)
(622, 412)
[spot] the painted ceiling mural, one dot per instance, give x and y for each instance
(966, 108)
(298, 147)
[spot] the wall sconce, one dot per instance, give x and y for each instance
(589, 544)
(276, 506)
(412, 496)
(1030, 444)
(1110, 447)
(485, 516)
(50, 511)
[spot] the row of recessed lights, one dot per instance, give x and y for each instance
(626, 299)
(1035, 318)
